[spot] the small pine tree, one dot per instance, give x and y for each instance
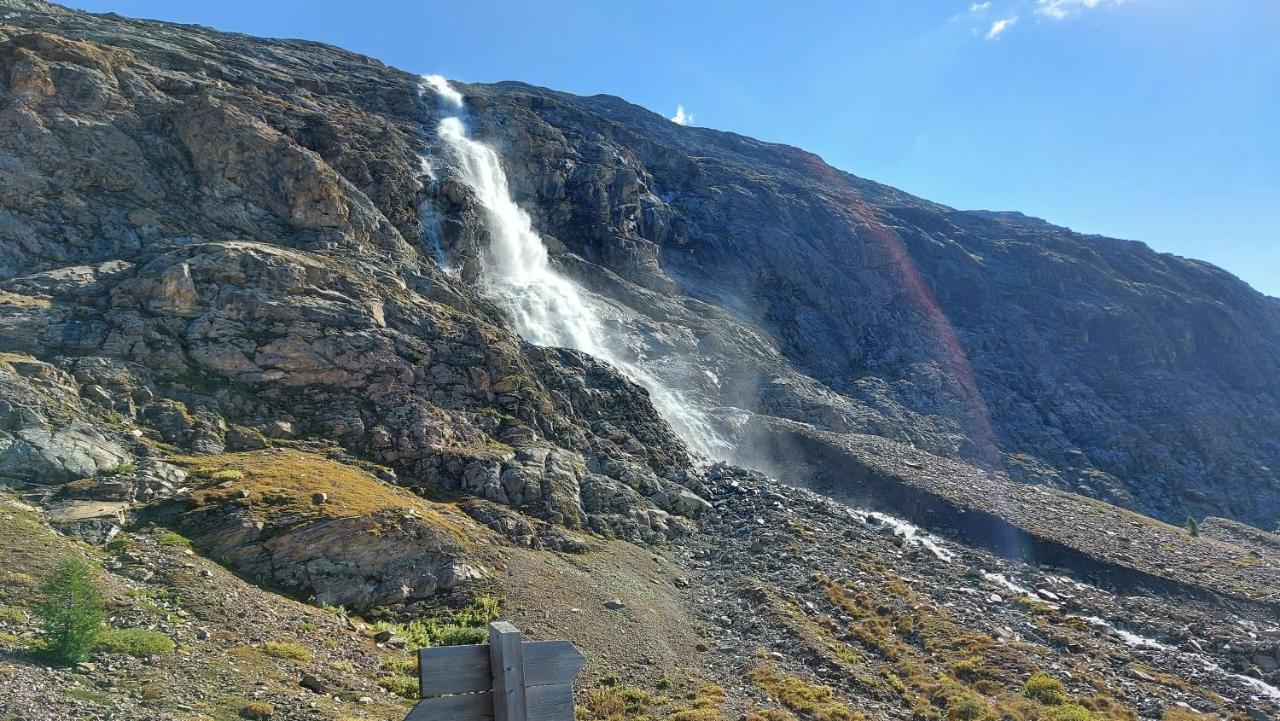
(72, 612)
(1192, 526)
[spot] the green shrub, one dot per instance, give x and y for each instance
(461, 636)
(284, 649)
(635, 698)
(402, 665)
(480, 612)
(968, 669)
(257, 711)
(1045, 689)
(403, 686)
(137, 642)
(467, 625)
(965, 708)
(603, 703)
(1192, 526)
(16, 616)
(170, 538)
(119, 543)
(72, 612)
(1071, 712)
(418, 633)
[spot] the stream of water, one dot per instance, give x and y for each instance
(547, 307)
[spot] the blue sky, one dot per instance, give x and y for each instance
(1156, 120)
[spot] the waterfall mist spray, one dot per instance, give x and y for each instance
(548, 308)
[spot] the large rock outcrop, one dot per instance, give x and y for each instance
(212, 240)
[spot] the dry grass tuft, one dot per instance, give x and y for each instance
(801, 696)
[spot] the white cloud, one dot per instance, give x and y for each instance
(979, 7)
(681, 117)
(1063, 9)
(998, 27)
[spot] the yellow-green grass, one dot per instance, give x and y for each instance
(282, 482)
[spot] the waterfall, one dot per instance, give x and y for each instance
(547, 308)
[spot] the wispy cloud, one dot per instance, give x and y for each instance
(979, 7)
(1063, 9)
(681, 117)
(998, 27)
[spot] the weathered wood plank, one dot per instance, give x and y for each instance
(467, 707)
(506, 659)
(465, 669)
(454, 669)
(551, 662)
(553, 702)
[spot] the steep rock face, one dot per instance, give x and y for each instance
(1092, 364)
(208, 238)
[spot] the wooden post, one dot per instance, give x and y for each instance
(506, 660)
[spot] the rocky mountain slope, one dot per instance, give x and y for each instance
(1090, 364)
(243, 306)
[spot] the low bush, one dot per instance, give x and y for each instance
(170, 538)
(462, 636)
(15, 616)
(1071, 712)
(403, 686)
(402, 665)
(602, 703)
(965, 707)
(257, 711)
(136, 642)
(801, 696)
(467, 625)
(1045, 689)
(968, 669)
(480, 612)
(284, 649)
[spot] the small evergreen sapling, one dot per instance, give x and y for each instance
(72, 612)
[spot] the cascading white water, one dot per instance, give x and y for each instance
(548, 309)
